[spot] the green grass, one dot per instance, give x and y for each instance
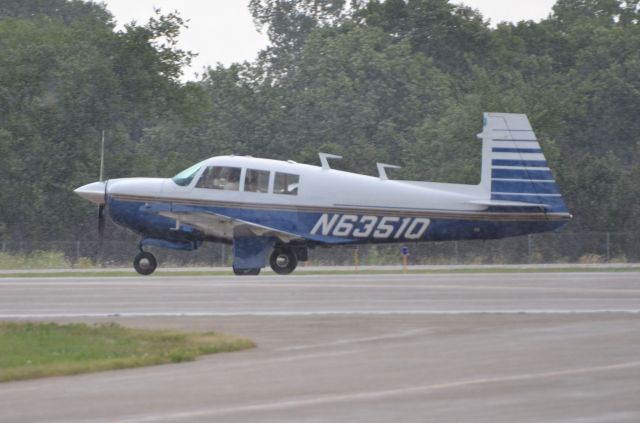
(34, 260)
(34, 350)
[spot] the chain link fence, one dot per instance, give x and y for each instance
(561, 247)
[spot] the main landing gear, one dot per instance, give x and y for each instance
(145, 263)
(283, 260)
(246, 272)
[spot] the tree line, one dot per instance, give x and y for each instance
(395, 81)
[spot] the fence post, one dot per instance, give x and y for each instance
(608, 247)
(529, 241)
(356, 258)
(455, 247)
(77, 252)
(224, 255)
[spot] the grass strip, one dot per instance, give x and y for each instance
(35, 350)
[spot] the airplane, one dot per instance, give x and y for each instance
(276, 211)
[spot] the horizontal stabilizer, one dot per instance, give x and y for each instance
(499, 203)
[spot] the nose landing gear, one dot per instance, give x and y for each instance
(145, 263)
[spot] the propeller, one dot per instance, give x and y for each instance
(101, 223)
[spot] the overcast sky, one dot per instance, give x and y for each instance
(223, 31)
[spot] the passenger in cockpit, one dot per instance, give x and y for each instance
(233, 179)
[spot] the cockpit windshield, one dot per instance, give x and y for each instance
(185, 177)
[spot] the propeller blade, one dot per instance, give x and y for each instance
(101, 223)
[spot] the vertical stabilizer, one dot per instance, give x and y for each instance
(513, 165)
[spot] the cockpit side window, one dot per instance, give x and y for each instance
(185, 177)
(218, 177)
(286, 183)
(256, 180)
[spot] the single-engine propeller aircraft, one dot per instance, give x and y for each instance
(278, 210)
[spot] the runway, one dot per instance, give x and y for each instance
(552, 347)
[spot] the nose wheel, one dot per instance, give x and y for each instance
(145, 263)
(283, 261)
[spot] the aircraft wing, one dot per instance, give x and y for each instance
(221, 226)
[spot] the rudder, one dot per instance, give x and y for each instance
(514, 167)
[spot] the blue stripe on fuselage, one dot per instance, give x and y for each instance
(143, 219)
(138, 217)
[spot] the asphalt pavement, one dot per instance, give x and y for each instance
(525, 347)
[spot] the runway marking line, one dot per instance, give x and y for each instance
(372, 395)
(471, 312)
(523, 276)
(474, 286)
(349, 341)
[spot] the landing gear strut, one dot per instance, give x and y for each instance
(283, 260)
(246, 272)
(145, 263)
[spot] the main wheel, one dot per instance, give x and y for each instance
(145, 263)
(246, 272)
(283, 261)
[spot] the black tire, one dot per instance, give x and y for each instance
(246, 272)
(145, 263)
(283, 261)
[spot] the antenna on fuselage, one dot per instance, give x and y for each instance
(324, 160)
(101, 208)
(102, 159)
(382, 170)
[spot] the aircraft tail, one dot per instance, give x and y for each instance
(514, 169)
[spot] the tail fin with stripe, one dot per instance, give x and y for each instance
(514, 169)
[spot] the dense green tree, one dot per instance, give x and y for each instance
(65, 76)
(360, 93)
(289, 24)
(452, 35)
(399, 81)
(65, 11)
(602, 189)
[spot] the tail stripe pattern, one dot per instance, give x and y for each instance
(519, 170)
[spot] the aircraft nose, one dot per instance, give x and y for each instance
(93, 192)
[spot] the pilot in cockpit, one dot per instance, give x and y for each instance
(233, 179)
